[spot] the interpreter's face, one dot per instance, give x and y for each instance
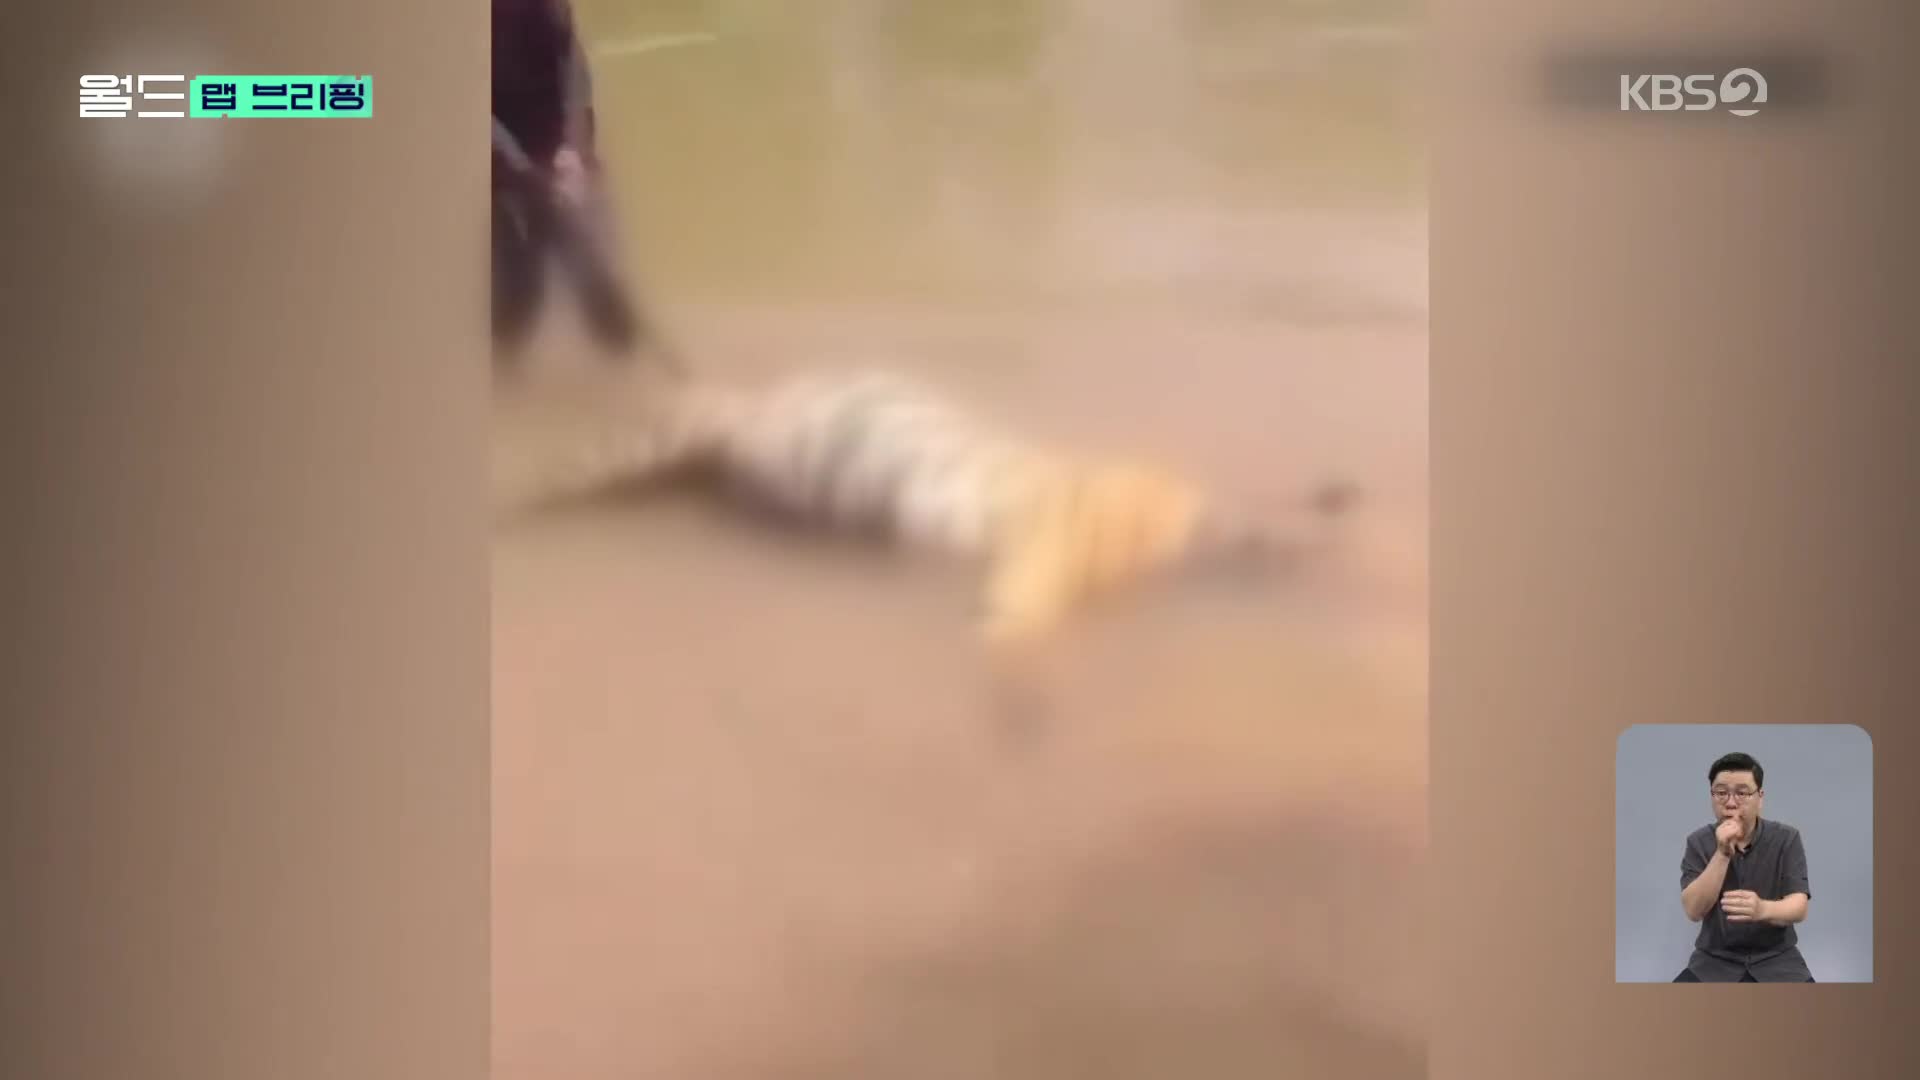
(1735, 795)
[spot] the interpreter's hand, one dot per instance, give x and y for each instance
(1743, 905)
(1728, 834)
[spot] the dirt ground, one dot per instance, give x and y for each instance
(750, 821)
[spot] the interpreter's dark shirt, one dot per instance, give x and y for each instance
(1774, 865)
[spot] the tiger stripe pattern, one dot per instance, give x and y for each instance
(876, 452)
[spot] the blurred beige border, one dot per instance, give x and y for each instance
(1671, 390)
(247, 801)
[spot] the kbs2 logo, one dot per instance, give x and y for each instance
(1741, 87)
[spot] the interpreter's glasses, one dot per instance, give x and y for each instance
(1738, 795)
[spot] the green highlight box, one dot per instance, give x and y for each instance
(308, 97)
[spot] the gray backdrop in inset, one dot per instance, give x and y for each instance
(1819, 779)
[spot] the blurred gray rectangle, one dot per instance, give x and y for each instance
(1715, 81)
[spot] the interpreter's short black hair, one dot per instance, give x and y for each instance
(1738, 762)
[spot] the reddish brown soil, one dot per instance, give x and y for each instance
(751, 821)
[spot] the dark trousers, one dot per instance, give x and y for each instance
(530, 231)
(1689, 976)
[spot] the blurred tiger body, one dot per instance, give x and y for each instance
(876, 452)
